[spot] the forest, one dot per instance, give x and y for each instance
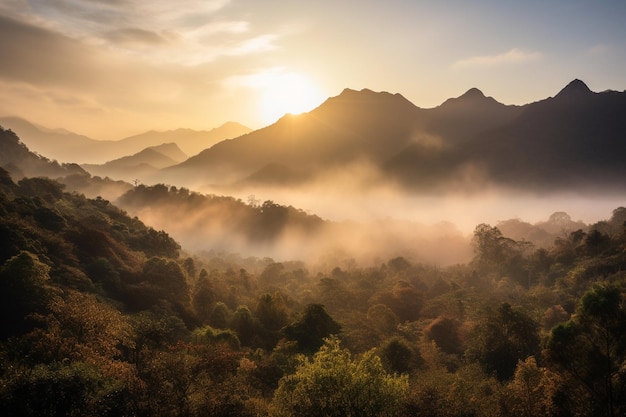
(106, 316)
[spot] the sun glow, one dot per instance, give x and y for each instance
(284, 93)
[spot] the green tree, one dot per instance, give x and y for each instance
(335, 384)
(168, 278)
(311, 329)
(244, 323)
(590, 349)
(503, 338)
(399, 356)
(24, 290)
(271, 312)
(495, 252)
(203, 297)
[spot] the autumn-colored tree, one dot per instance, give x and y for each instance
(532, 390)
(382, 318)
(445, 332)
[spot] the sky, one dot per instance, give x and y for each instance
(113, 68)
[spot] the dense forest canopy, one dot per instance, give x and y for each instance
(107, 316)
(104, 315)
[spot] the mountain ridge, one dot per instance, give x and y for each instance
(432, 147)
(66, 146)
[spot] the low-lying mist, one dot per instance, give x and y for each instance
(348, 215)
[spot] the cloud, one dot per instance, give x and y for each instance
(255, 45)
(186, 32)
(135, 35)
(513, 56)
(40, 56)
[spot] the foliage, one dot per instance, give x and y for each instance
(591, 350)
(311, 329)
(24, 290)
(335, 384)
(504, 337)
(102, 316)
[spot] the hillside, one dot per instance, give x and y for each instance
(20, 162)
(61, 145)
(16, 158)
(102, 314)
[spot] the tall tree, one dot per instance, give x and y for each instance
(590, 349)
(311, 329)
(503, 338)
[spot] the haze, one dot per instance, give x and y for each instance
(109, 70)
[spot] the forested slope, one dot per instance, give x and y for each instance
(104, 317)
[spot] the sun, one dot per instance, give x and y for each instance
(284, 93)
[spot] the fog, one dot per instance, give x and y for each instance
(353, 215)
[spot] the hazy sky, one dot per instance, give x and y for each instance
(112, 68)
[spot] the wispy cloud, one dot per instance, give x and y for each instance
(512, 56)
(187, 32)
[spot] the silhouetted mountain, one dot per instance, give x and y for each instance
(66, 146)
(20, 162)
(191, 142)
(172, 151)
(140, 165)
(461, 118)
(574, 139)
(59, 144)
(382, 129)
(577, 138)
(352, 126)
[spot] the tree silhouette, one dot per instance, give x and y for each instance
(314, 325)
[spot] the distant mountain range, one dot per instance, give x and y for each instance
(20, 162)
(141, 164)
(577, 138)
(65, 146)
(573, 140)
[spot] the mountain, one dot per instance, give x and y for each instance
(574, 138)
(459, 119)
(60, 144)
(172, 151)
(191, 142)
(140, 165)
(16, 158)
(66, 146)
(20, 162)
(345, 128)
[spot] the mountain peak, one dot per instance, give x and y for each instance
(473, 93)
(574, 88)
(472, 97)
